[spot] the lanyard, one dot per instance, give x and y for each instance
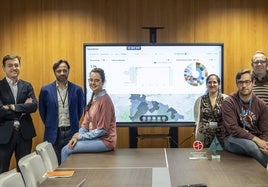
(62, 100)
(245, 113)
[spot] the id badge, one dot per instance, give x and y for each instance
(213, 124)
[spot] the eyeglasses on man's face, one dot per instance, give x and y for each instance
(259, 62)
(59, 71)
(246, 82)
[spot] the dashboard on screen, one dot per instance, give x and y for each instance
(154, 82)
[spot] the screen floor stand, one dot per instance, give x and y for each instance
(172, 137)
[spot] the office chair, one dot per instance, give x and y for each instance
(32, 169)
(11, 178)
(48, 155)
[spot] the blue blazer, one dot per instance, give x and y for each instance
(48, 109)
(22, 110)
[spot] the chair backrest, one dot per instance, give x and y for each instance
(48, 155)
(11, 178)
(32, 169)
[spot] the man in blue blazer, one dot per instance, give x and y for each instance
(61, 105)
(17, 102)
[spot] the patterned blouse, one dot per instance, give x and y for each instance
(211, 120)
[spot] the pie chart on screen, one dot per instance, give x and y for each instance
(195, 74)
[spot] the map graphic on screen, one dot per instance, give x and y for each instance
(154, 82)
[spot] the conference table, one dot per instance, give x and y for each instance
(159, 167)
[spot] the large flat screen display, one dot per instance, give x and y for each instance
(154, 82)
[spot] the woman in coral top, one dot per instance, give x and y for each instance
(98, 129)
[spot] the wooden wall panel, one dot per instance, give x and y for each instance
(43, 31)
(237, 24)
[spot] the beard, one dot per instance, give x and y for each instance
(245, 94)
(62, 78)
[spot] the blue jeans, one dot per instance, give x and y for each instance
(246, 147)
(84, 146)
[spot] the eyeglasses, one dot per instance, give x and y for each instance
(94, 80)
(259, 61)
(59, 71)
(241, 83)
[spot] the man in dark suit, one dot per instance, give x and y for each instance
(17, 102)
(61, 105)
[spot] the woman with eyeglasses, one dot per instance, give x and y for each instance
(207, 112)
(98, 129)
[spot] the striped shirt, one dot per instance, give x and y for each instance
(261, 88)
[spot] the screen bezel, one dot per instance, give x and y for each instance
(154, 123)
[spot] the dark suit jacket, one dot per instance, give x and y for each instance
(48, 108)
(22, 110)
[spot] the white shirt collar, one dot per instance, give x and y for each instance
(10, 81)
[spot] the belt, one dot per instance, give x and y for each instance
(16, 125)
(64, 128)
(16, 128)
